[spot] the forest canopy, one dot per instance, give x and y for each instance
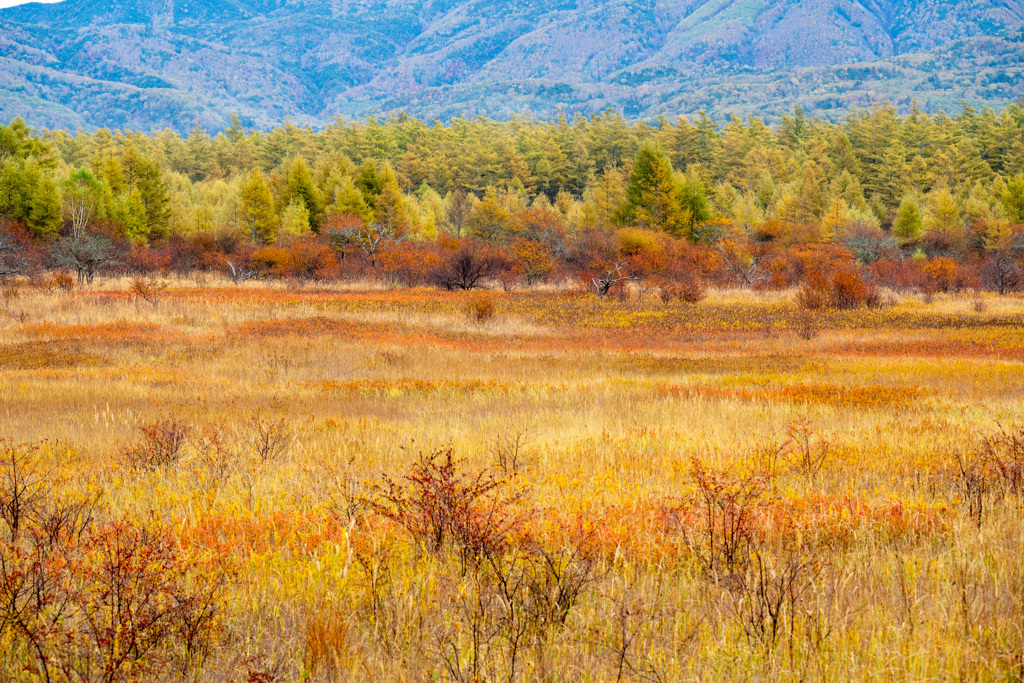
(877, 185)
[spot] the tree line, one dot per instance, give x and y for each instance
(534, 197)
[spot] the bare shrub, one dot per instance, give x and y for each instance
(150, 291)
(464, 268)
(718, 520)
(89, 601)
(519, 598)
(215, 452)
(1004, 453)
(24, 485)
(806, 324)
(269, 439)
(973, 481)
(63, 281)
(772, 595)
(807, 449)
(509, 451)
(609, 279)
(842, 289)
(161, 445)
(440, 504)
(691, 289)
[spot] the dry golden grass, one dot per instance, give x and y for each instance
(894, 577)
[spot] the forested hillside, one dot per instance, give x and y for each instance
(167, 63)
(532, 199)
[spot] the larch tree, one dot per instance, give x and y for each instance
(300, 187)
(258, 208)
(44, 217)
(942, 222)
(906, 228)
(651, 193)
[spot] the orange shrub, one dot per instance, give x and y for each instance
(843, 289)
(408, 265)
(272, 261)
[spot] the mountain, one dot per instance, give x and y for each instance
(170, 63)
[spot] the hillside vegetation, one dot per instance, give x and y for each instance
(156, 64)
(917, 201)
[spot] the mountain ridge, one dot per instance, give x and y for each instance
(170, 63)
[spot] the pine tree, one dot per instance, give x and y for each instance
(258, 208)
(199, 154)
(300, 187)
(652, 193)
(44, 217)
(130, 212)
(489, 220)
(389, 214)
(295, 218)
(349, 200)
(693, 200)
(907, 226)
(1013, 199)
(155, 197)
(942, 221)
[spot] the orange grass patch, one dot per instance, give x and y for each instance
(258, 534)
(839, 395)
(40, 356)
(119, 331)
(380, 387)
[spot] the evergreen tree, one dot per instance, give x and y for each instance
(942, 222)
(295, 218)
(258, 208)
(1013, 199)
(155, 197)
(907, 226)
(652, 193)
(44, 218)
(489, 220)
(349, 200)
(130, 212)
(693, 200)
(389, 214)
(300, 187)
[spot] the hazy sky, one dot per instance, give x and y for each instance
(12, 3)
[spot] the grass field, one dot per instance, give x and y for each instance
(639, 490)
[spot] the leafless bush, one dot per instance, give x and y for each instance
(973, 481)
(718, 520)
(84, 600)
(633, 614)
(772, 597)
(161, 445)
(215, 452)
(1004, 452)
(519, 598)
(509, 451)
(606, 281)
(440, 504)
(269, 439)
(806, 324)
(150, 291)
(690, 289)
(806, 448)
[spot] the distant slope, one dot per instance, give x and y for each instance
(158, 63)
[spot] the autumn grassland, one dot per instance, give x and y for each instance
(732, 489)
